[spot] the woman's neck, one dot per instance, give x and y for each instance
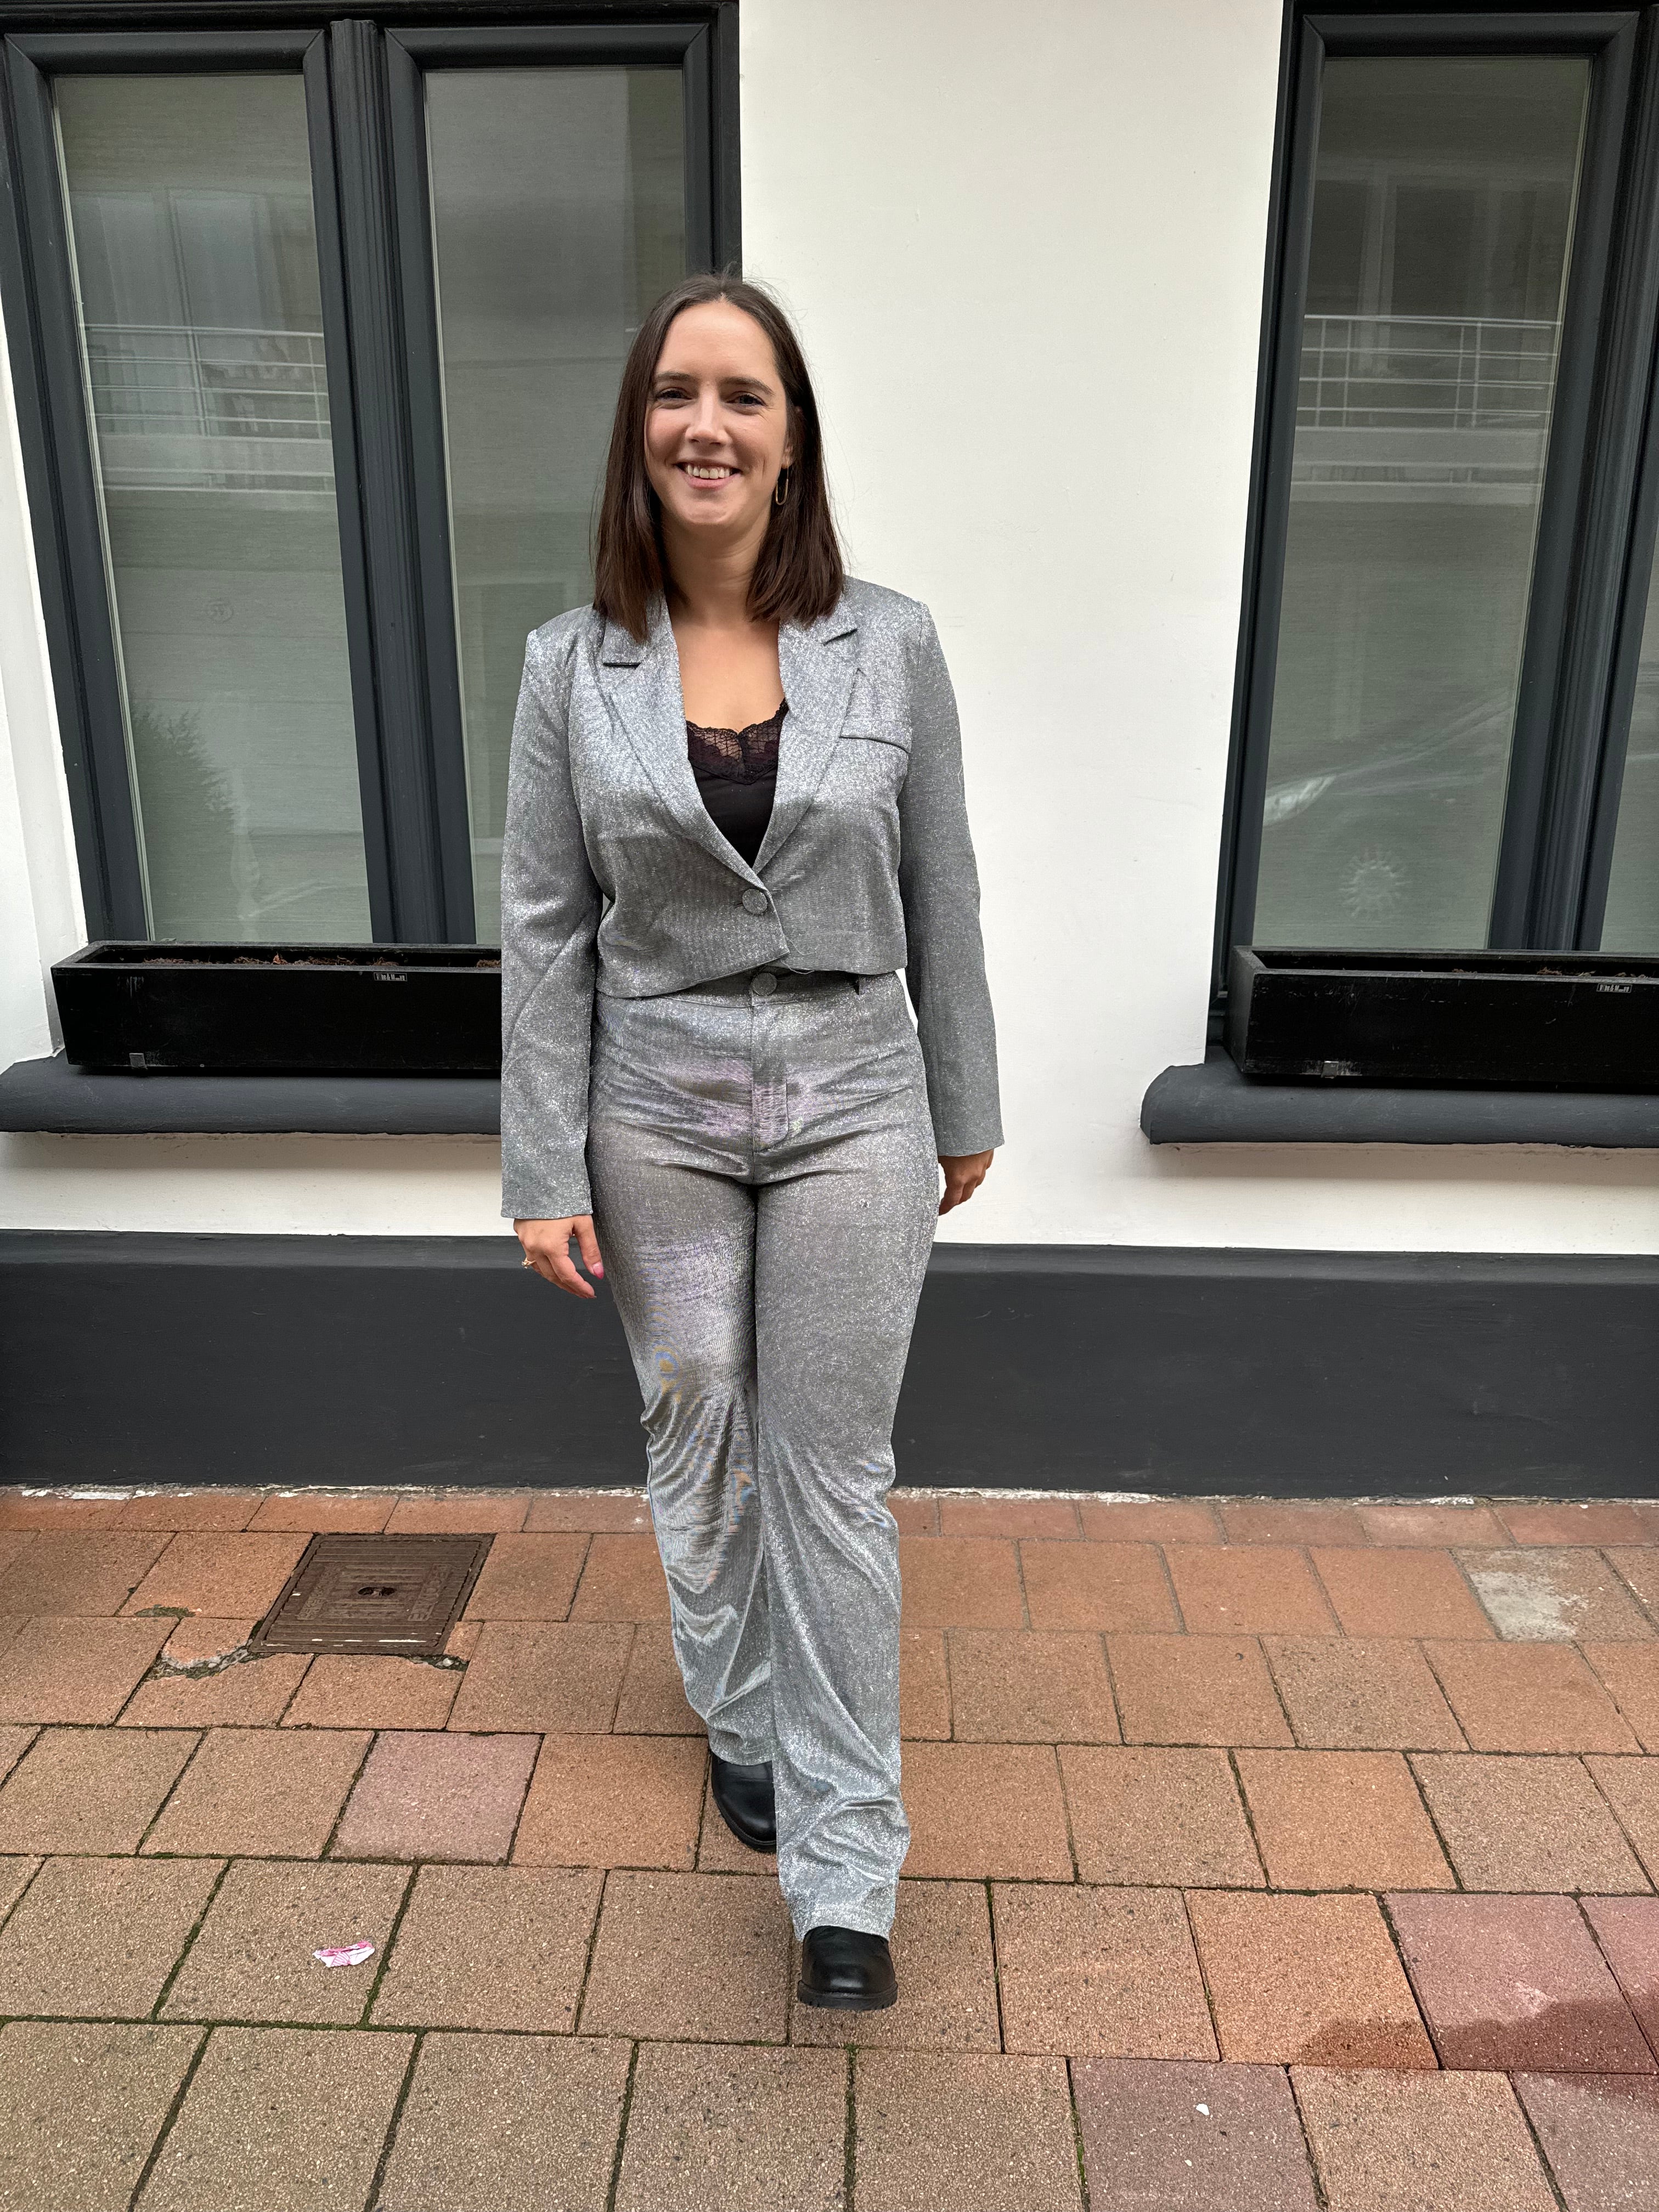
(708, 584)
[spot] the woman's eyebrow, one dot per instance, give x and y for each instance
(685, 376)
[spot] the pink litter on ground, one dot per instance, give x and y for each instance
(345, 1954)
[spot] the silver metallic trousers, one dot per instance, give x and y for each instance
(765, 1194)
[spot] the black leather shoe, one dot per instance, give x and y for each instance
(845, 1970)
(743, 1800)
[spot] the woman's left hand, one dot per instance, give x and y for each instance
(963, 1174)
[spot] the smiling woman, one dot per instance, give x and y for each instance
(735, 809)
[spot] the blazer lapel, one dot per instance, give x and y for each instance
(642, 684)
(818, 664)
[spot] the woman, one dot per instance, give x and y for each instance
(735, 810)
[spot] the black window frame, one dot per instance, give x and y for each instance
(1600, 500)
(362, 70)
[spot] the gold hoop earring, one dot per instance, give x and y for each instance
(780, 489)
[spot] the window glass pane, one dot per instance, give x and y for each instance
(1442, 210)
(1632, 921)
(558, 210)
(196, 273)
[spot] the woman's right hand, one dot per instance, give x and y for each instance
(547, 1249)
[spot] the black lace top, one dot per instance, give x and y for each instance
(736, 772)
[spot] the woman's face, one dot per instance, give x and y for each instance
(716, 427)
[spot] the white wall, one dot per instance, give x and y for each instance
(1026, 258)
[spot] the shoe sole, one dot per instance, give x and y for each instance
(831, 2000)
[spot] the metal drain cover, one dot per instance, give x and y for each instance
(399, 1594)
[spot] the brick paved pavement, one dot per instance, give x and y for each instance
(1266, 1856)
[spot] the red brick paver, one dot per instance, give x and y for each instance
(190, 1509)
(491, 1947)
(1341, 1819)
(249, 1792)
(1544, 1596)
(80, 2107)
(1290, 1521)
(1511, 1982)
(1308, 1979)
(458, 1513)
(964, 2133)
(1574, 1524)
(696, 1958)
(1526, 1824)
(528, 1578)
(1600, 2135)
(1087, 1585)
(1108, 1971)
(1020, 1686)
(1361, 1693)
(255, 1693)
(1387, 1591)
(78, 1572)
(552, 2107)
(978, 1810)
(1196, 1689)
(251, 1958)
(75, 1670)
(1157, 1815)
(1420, 2142)
(1627, 1929)
(562, 1676)
(96, 1938)
(360, 1690)
(720, 2130)
(614, 1801)
(436, 1796)
(78, 1790)
(1008, 1517)
(1249, 1589)
(306, 2111)
(621, 1579)
(1191, 2138)
(960, 1581)
(226, 1575)
(1528, 1696)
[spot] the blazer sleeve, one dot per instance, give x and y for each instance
(549, 920)
(939, 884)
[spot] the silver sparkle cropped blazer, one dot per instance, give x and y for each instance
(614, 877)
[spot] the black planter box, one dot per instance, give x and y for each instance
(1555, 1021)
(284, 1009)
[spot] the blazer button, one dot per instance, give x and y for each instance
(764, 985)
(756, 902)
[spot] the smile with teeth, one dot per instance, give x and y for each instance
(708, 471)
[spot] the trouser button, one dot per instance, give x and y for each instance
(764, 984)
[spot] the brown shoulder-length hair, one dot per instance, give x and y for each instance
(799, 576)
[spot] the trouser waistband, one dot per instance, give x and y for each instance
(767, 982)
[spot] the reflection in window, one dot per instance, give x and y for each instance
(1443, 213)
(196, 272)
(558, 216)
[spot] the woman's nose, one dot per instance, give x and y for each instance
(706, 416)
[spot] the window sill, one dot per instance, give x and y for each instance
(51, 1096)
(1213, 1104)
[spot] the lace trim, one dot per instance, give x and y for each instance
(738, 756)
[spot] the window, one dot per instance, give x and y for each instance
(327, 328)
(1447, 725)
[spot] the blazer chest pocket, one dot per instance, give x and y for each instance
(871, 763)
